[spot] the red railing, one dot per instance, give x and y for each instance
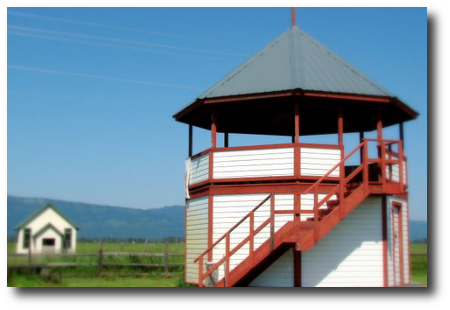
(250, 238)
(339, 189)
(382, 162)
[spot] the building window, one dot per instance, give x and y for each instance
(67, 238)
(26, 238)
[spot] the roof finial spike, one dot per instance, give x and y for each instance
(293, 18)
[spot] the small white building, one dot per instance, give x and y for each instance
(46, 231)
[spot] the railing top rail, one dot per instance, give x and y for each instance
(234, 227)
(383, 140)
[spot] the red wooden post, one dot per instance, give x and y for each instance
(272, 219)
(293, 17)
(297, 155)
(252, 229)
(342, 165)
(297, 268)
(365, 163)
(200, 272)
(400, 166)
(213, 128)
(315, 204)
(227, 259)
(382, 149)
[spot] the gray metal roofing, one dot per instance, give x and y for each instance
(294, 60)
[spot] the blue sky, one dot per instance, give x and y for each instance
(92, 91)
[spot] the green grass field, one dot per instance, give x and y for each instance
(104, 280)
(88, 276)
(419, 264)
(140, 277)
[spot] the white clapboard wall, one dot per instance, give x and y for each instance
(254, 163)
(393, 173)
(196, 235)
(273, 162)
(351, 254)
(279, 274)
(229, 209)
(318, 161)
(199, 169)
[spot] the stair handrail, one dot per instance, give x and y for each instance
(249, 238)
(334, 168)
(342, 180)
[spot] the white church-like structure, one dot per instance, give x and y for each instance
(46, 231)
(297, 214)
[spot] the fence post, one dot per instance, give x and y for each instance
(166, 260)
(29, 253)
(100, 257)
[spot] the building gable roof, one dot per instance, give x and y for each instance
(45, 228)
(40, 211)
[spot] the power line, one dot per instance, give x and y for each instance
(119, 40)
(99, 77)
(109, 45)
(86, 23)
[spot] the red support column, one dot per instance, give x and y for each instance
(297, 268)
(342, 166)
(297, 155)
(381, 148)
(213, 128)
(361, 138)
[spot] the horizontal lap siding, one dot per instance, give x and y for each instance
(230, 209)
(199, 169)
(254, 163)
(196, 235)
(279, 274)
(318, 161)
(351, 254)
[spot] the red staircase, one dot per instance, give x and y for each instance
(350, 191)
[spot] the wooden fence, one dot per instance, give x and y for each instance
(100, 261)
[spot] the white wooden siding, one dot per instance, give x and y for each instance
(229, 209)
(393, 173)
(279, 274)
(318, 161)
(351, 254)
(196, 235)
(199, 169)
(254, 163)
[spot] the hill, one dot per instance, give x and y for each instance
(99, 221)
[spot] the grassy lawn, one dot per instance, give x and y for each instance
(151, 280)
(419, 264)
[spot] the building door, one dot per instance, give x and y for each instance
(397, 244)
(48, 245)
